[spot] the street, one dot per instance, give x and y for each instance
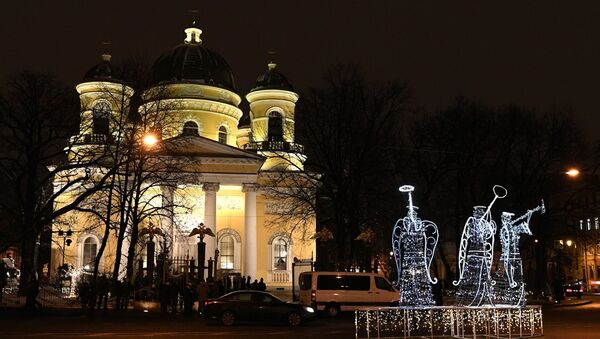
(559, 322)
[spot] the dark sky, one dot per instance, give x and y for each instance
(543, 54)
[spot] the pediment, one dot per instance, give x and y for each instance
(198, 146)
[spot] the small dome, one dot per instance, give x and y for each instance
(272, 79)
(102, 71)
(191, 62)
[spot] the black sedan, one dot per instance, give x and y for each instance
(255, 306)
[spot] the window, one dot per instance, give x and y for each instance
(190, 128)
(383, 284)
(100, 115)
(344, 282)
(90, 250)
(226, 252)
(275, 128)
(305, 282)
(280, 254)
(262, 298)
(223, 135)
(241, 296)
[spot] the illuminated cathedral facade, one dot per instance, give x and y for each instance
(226, 158)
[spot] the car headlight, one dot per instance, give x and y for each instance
(309, 309)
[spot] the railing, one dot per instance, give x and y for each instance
(96, 139)
(274, 146)
(280, 276)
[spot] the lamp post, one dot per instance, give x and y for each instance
(201, 231)
(66, 235)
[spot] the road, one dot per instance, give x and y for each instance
(559, 322)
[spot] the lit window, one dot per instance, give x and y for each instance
(596, 223)
(100, 115)
(90, 250)
(275, 129)
(280, 252)
(589, 224)
(581, 224)
(226, 251)
(190, 128)
(223, 135)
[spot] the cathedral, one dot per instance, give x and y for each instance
(226, 158)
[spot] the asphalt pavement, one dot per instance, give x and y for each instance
(573, 321)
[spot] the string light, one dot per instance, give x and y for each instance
(413, 243)
(453, 321)
(475, 256)
(510, 285)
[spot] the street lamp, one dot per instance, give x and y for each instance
(201, 231)
(149, 140)
(572, 172)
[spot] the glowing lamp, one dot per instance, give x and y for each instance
(150, 140)
(569, 243)
(572, 172)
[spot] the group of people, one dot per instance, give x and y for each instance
(177, 295)
(98, 297)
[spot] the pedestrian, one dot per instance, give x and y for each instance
(103, 289)
(83, 294)
(188, 299)
(126, 290)
(261, 285)
(164, 294)
(248, 283)
(118, 289)
(254, 285)
(202, 295)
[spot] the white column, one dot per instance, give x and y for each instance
(249, 243)
(166, 219)
(210, 216)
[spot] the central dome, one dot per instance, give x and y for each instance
(193, 63)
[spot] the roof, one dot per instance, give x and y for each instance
(272, 79)
(192, 62)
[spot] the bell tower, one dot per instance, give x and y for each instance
(104, 103)
(272, 121)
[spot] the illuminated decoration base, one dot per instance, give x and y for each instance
(449, 321)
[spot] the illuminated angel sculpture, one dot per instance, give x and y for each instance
(413, 243)
(510, 287)
(475, 256)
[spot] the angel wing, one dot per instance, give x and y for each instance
(462, 252)
(396, 243)
(431, 239)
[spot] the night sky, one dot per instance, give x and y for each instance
(543, 54)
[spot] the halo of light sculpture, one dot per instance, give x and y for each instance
(510, 287)
(475, 256)
(413, 243)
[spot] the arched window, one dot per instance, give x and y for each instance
(280, 253)
(226, 253)
(223, 134)
(190, 128)
(100, 115)
(275, 128)
(90, 250)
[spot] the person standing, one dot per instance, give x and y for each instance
(261, 285)
(202, 295)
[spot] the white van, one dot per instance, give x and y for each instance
(345, 291)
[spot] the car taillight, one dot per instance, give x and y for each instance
(569, 290)
(313, 296)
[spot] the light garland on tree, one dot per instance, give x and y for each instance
(413, 243)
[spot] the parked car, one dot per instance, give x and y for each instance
(255, 306)
(333, 292)
(574, 289)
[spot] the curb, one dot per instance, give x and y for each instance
(585, 302)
